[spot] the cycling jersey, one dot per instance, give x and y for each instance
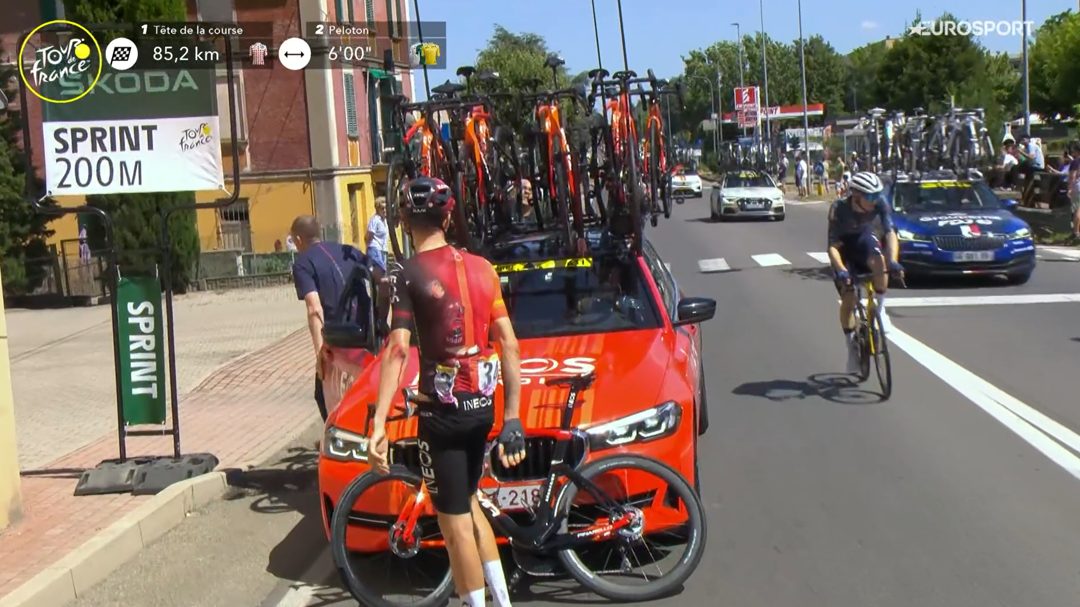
(449, 298)
(847, 221)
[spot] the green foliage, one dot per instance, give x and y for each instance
(1052, 63)
(826, 75)
(23, 231)
(136, 217)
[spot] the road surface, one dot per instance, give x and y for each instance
(961, 490)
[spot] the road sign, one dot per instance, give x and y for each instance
(746, 97)
(747, 118)
(142, 351)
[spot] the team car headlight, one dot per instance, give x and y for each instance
(657, 422)
(908, 235)
(345, 446)
(1021, 233)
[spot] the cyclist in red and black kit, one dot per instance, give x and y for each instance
(453, 300)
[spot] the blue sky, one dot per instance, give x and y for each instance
(657, 36)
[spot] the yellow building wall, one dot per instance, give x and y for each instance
(273, 204)
(10, 494)
(357, 207)
(66, 227)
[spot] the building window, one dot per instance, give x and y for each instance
(235, 224)
(390, 29)
(351, 126)
(369, 6)
(400, 20)
(373, 119)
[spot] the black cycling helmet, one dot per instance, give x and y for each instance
(427, 196)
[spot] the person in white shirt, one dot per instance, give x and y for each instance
(377, 233)
(800, 176)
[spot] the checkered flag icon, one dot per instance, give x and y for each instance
(120, 54)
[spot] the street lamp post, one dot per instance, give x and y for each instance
(765, 69)
(1024, 70)
(802, 61)
(742, 83)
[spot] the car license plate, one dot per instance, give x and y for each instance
(754, 205)
(973, 256)
(516, 497)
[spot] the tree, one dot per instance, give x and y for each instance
(136, 219)
(1054, 72)
(826, 76)
(862, 90)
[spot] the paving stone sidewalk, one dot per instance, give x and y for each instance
(242, 413)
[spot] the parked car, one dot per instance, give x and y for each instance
(744, 194)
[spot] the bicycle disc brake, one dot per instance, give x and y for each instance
(397, 541)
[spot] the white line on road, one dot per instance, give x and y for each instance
(820, 257)
(300, 594)
(1029, 424)
(770, 259)
(1069, 252)
(981, 300)
(713, 265)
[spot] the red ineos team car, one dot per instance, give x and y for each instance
(619, 315)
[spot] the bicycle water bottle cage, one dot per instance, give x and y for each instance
(554, 61)
(598, 72)
(466, 71)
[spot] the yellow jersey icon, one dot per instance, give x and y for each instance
(428, 53)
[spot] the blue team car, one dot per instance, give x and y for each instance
(950, 226)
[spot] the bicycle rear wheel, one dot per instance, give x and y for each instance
(370, 585)
(653, 169)
(505, 165)
(562, 194)
(882, 362)
(635, 198)
(862, 338)
(665, 510)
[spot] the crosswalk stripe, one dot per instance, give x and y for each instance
(713, 265)
(820, 257)
(1067, 252)
(770, 259)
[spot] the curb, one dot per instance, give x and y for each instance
(78, 571)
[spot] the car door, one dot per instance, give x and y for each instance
(351, 344)
(687, 342)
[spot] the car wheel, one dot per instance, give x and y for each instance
(1019, 278)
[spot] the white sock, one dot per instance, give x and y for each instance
(881, 301)
(496, 579)
(474, 599)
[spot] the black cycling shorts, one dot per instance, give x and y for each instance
(855, 250)
(453, 444)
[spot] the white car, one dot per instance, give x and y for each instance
(685, 182)
(747, 194)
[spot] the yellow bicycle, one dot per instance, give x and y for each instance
(870, 333)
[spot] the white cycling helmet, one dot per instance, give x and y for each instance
(867, 183)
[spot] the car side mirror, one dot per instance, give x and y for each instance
(1009, 204)
(694, 310)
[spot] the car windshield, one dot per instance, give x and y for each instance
(557, 298)
(943, 196)
(748, 180)
(687, 171)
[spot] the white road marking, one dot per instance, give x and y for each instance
(713, 265)
(981, 300)
(770, 259)
(1033, 426)
(820, 257)
(799, 203)
(301, 593)
(1067, 252)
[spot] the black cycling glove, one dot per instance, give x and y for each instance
(512, 437)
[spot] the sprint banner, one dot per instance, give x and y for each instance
(131, 131)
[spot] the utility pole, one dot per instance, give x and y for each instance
(802, 61)
(719, 105)
(765, 69)
(1024, 69)
(742, 83)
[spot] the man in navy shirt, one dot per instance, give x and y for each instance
(321, 271)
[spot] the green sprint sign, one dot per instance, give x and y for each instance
(142, 351)
(134, 131)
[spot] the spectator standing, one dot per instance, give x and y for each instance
(1032, 159)
(1074, 190)
(321, 271)
(377, 234)
(800, 174)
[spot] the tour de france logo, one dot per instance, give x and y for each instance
(74, 57)
(193, 138)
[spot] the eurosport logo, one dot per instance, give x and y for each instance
(969, 28)
(77, 56)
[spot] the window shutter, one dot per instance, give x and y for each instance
(390, 17)
(339, 11)
(373, 118)
(351, 126)
(400, 20)
(369, 5)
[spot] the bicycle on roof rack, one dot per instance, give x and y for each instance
(655, 150)
(663, 522)
(422, 152)
(551, 163)
(615, 143)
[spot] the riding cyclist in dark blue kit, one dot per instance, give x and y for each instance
(854, 248)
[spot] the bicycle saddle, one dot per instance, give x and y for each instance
(918, 111)
(448, 88)
(577, 382)
(598, 72)
(624, 75)
(553, 61)
(488, 76)
(876, 112)
(466, 71)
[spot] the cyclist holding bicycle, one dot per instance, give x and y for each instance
(854, 247)
(451, 299)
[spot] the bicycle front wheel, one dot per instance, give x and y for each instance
(882, 362)
(862, 336)
(404, 571)
(669, 528)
